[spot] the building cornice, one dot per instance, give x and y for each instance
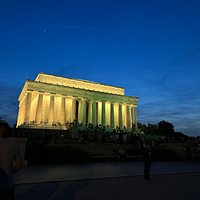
(75, 92)
(78, 83)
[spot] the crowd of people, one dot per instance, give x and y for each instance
(104, 134)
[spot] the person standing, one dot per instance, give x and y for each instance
(10, 162)
(147, 160)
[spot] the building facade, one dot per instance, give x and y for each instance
(52, 102)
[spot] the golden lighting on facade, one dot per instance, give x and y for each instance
(51, 100)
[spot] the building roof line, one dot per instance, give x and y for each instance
(82, 89)
(79, 80)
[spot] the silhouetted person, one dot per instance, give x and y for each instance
(121, 153)
(147, 160)
(10, 162)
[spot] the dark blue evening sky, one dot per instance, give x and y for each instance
(151, 48)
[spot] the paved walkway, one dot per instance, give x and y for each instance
(107, 181)
(41, 174)
(160, 187)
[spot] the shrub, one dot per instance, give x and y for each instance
(162, 154)
(39, 154)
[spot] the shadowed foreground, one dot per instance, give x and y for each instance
(172, 186)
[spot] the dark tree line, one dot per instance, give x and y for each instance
(163, 128)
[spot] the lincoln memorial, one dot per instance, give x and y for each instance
(52, 102)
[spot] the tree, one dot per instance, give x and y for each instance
(165, 128)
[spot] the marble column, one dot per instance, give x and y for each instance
(99, 121)
(108, 114)
(80, 111)
(19, 119)
(46, 107)
(135, 117)
(84, 111)
(21, 112)
(120, 116)
(128, 113)
(131, 116)
(28, 107)
(90, 112)
(112, 119)
(94, 113)
(38, 117)
(116, 114)
(51, 110)
(57, 109)
(62, 111)
(68, 106)
(43, 108)
(97, 114)
(73, 109)
(124, 115)
(103, 121)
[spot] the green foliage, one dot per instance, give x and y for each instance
(165, 128)
(162, 128)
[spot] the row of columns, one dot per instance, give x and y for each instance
(50, 109)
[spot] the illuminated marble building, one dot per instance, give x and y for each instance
(53, 102)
